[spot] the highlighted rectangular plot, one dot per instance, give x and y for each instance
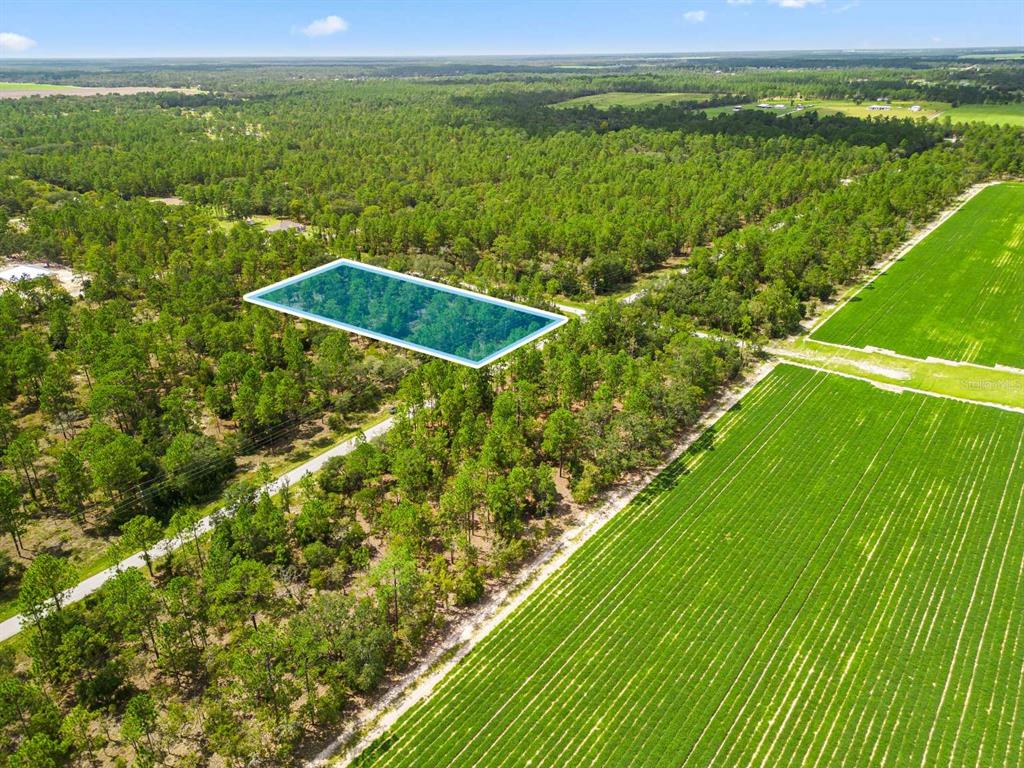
(417, 314)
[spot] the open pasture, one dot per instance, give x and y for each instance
(788, 106)
(927, 109)
(994, 114)
(905, 109)
(831, 576)
(957, 295)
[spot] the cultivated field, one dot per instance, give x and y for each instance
(833, 578)
(958, 295)
(1001, 387)
(629, 99)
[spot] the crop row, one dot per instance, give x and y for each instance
(957, 295)
(830, 581)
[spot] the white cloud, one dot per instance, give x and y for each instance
(12, 42)
(695, 17)
(739, 2)
(325, 26)
(796, 3)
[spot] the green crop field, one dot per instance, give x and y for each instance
(995, 114)
(958, 295)
(832, 578)
(629, 99)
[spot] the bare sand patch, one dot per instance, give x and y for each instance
(71, 281)
(881, 370)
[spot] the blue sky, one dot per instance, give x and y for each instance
(101, 28)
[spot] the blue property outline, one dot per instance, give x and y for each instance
(256, 297)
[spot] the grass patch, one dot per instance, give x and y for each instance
(648, 280)
(761, 603)
(226, 222)
(984, 385)
(928, 109)
(8, 86)
(957, 295)
(904, 109)
(994, 114)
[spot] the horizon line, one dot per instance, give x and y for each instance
(562, 54)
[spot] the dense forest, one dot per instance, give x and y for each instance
(411, 312)
(150, 390)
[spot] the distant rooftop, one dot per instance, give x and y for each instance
(451, 323)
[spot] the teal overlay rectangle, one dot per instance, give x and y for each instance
(451, 323)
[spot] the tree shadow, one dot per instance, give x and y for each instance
(679, 467)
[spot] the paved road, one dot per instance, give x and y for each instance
(12, 626)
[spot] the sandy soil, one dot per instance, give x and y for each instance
(880, 370)
(126, 90)
(71, 281)
(821, 357)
